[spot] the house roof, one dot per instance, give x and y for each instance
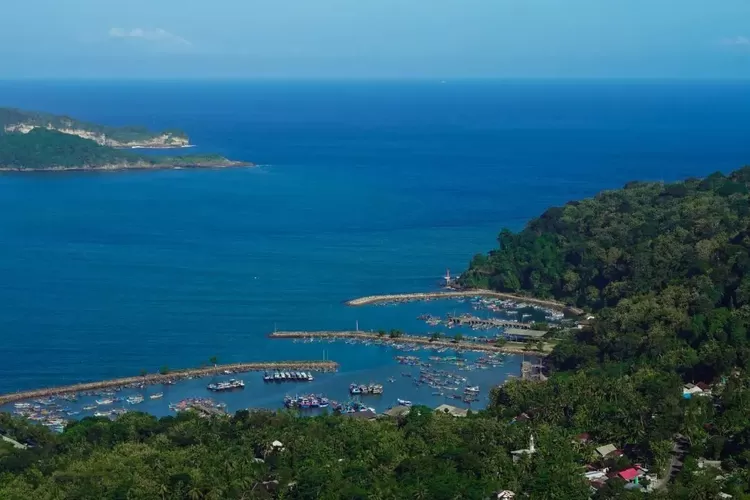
(628, 474)
(584, 436)
(364, 415)
(606, 449)
(397, 411)
(452, 410)
(520, 332)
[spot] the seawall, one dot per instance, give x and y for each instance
(155, 378)
(404, 297)
(412, 339)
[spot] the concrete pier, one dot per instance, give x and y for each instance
(466, 345)
(407, 297)
(155, 378)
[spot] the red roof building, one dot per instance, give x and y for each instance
(629, 474)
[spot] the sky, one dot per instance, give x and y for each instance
(310, 39)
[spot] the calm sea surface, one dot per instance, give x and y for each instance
(363, 188)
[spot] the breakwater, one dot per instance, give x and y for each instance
(407, 297)
(155, 378)
(467, 345)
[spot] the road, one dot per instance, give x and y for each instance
(15, 443)
(680, 448)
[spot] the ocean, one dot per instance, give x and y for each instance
(362, 188)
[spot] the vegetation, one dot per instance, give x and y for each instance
(11, 116)
(665, 269)
(48, 149)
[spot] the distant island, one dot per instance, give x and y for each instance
(31, 141)
(17, 120)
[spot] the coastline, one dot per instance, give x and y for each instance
(155, 378)
(133, 166)
(408, 297)
(164, 146)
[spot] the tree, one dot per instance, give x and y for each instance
(214, 360)
(458, 337)
(381, 333)
(435, 336)
(164, 370)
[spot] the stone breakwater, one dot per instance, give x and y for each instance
(465, 345)
(407, 297)
(155, 378)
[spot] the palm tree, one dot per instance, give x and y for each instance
(213, 360)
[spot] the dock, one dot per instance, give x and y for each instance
(466, 345)
(408, 297)
(469, 320)
(156, 378)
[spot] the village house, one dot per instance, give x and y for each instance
(518, 454)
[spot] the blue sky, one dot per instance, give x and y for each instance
(375, 38)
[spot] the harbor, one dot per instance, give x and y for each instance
(456, 351)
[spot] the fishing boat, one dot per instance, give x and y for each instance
(472, 390)
(89, 407)
(134, 400)
(404, 402)
(158, 395)
(22, 406)
(104, 402)
(227, 386)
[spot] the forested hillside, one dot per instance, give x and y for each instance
(47, 149)
(667, 265)
(11, 117)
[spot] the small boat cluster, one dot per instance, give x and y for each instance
(364, 390)
(512, 308)
(203, 406)
(46, 412)
(306, 402)
(229, 385)
(351, 407)
(288, 377)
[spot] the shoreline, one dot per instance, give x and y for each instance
(408, 297)
(165, 146)
(119, 167)
(155, 378)
(467, 345)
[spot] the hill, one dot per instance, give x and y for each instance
(42, 149)
(16, 120)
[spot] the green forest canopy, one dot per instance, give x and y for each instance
(12, 116)
(663, 267)
(42, 148)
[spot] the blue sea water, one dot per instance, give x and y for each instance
(363, 188)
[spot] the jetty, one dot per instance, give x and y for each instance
(408, 297)
(466, 345)
(172, 376)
